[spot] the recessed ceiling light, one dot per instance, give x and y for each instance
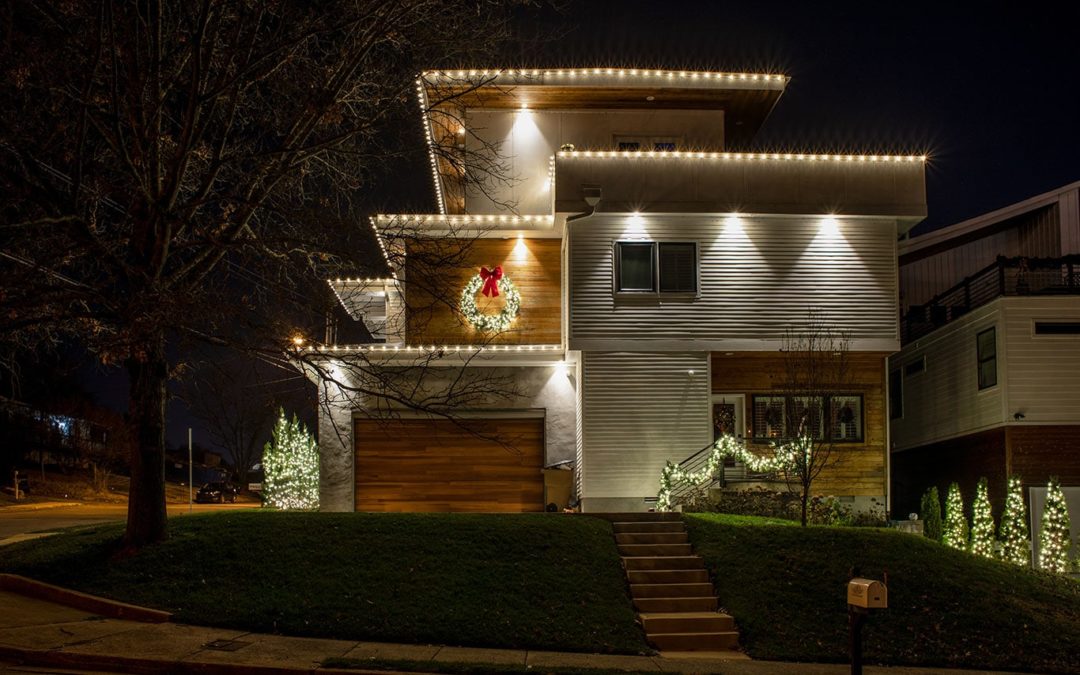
(650, 98)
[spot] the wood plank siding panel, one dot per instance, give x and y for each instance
(758, 277)
(1043, 371)
(436, 465)
(944, 400)
(640, 410)
(859, 469)
(534, 265)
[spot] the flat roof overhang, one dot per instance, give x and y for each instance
(775, 183)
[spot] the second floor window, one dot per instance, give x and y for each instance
(648, 267)
(986, 347)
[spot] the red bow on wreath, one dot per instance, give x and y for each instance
(491, 279)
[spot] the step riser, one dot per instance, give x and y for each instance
(715, 624)
(673, 526)
(630, 550)
(639, 516)
(667, 576)
(670, 590)
(691, 562)
(652, 538)
(676, 604)
(695, 642)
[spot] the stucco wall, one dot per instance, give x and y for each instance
(547, 388)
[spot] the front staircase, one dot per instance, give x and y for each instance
(670, 585)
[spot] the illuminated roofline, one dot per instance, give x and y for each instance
(462, 219)
(420, 349)
(564, 74)
(734, 156)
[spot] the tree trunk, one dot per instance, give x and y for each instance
(805, 502)
(146, 497)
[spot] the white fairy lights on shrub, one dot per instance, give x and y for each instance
(1016, 548)
(982, 524)
(291, 467)
(728, 447)
(1054, 536)
(956, 527)
(490, 323)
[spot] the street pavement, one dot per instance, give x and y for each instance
(18, 521)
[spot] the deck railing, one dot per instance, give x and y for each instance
(1003, 277)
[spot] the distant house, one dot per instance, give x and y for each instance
(988, 380)
(657, 271)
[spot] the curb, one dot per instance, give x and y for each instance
(112, 609)
(136, 666)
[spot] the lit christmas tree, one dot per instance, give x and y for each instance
(291, 467)
(982, 523)
(930, 512)
(1016, 548)
(1054, 536)
(956, 527)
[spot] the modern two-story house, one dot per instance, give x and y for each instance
(988, 380)
(647, 272)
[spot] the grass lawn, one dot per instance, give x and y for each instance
(785, 585)
(541, 581)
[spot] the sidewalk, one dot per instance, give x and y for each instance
(37, 506)
(40, 633)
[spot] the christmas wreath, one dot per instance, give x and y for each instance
(491, 283)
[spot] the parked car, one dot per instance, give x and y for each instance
(217, 493)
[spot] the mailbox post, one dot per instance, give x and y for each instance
(862, 596)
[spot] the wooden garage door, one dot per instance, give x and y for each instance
(435, 465)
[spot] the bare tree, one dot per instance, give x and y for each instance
(159, 159)
(815, 370)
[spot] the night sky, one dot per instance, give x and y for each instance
(987, 90)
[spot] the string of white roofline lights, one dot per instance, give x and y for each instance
(433, 76)
(416, 349)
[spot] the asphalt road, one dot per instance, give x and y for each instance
(18, 521)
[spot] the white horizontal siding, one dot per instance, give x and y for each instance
(944, 400)
(758, 277)
(639, 411)
(1043, 371)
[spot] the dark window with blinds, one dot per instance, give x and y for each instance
(678, 268)
(1057, 328)
(648, 267)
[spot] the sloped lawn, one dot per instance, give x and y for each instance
(785, 586)
(542, 581)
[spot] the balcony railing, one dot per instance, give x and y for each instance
(1003, 277)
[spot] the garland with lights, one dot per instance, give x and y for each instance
(982, 523)
(728, 447)
(1054, 538)
(492, 282)
(956, 526)
(291, 467)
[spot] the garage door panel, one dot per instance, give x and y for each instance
(435, 465)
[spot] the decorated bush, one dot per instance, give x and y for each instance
(1054, 536)
(291, 467)
(955, 534)
(1015, 543)
(982, 523)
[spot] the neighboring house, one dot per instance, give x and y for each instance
(658, 272)
(988, 380)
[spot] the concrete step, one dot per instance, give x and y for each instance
(651, 538)
(667, 576)
(686, 622)
(638, 516)
(664, 562)
(668, 605)
(692, 590)
(633, 550)
(692, 642)
(646, 526)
